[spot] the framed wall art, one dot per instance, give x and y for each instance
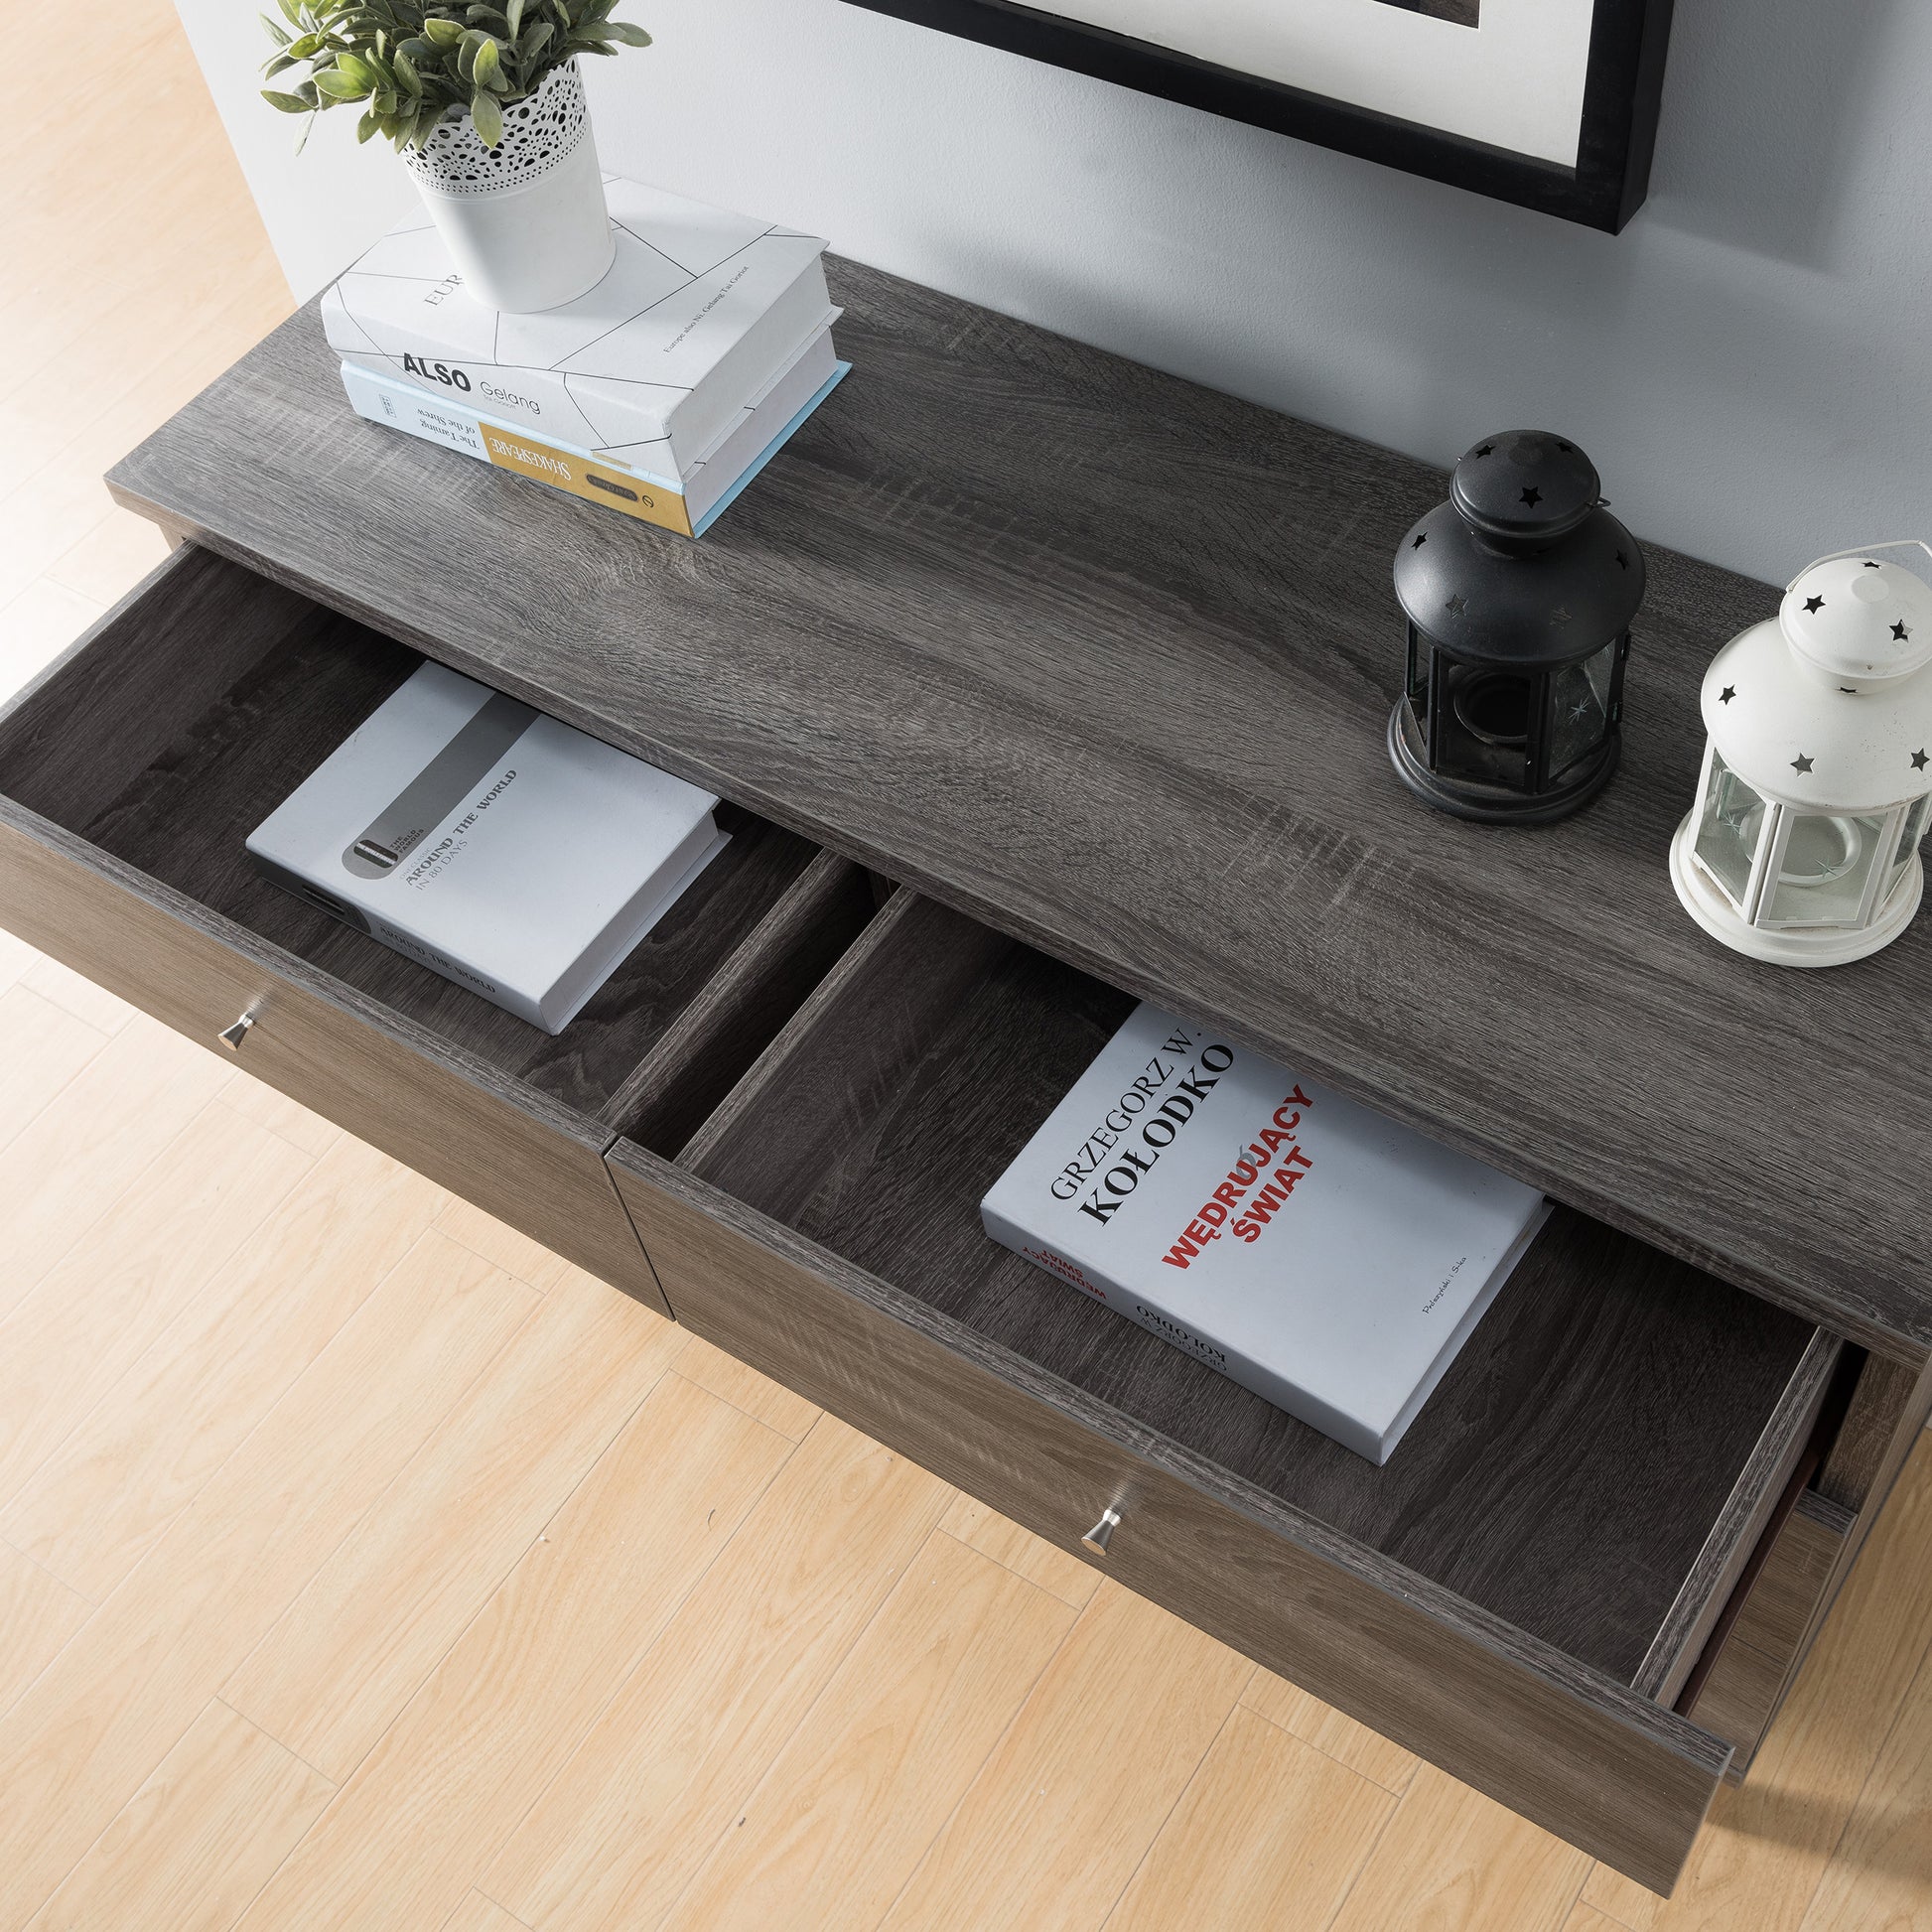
(1550, 104)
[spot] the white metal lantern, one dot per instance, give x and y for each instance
(1803, 845)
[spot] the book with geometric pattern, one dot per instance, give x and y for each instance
(650, 369)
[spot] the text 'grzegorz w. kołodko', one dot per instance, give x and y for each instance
(1131, 1138)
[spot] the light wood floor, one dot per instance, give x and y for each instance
(363, 1565)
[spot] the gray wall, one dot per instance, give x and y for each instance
(1748, 362)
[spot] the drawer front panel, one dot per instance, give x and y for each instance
(452, 1123)
(1580, 1756)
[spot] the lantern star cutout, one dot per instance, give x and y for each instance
(1532, 496)
(1801, 763)
(1489, 449)
(1814, 604)
(1422, 537)
(1727, 694)
(1456, 604)
(1900, 632)
(1918, 760)
(1622, 562)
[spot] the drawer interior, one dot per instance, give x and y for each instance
(1593, 1468)
(201, 704)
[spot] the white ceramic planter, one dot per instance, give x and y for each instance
(526, 223)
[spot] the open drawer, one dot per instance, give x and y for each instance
(1519, 1594)
(132, 772)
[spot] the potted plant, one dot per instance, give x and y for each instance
(485, 106)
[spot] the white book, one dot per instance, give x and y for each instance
(502, 849)
(700, 310)
(1310, 1249)
(750, 440)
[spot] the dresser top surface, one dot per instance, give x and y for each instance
(1105, 658)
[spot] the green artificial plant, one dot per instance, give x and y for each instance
(411, 64)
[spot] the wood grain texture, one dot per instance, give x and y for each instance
(1881, 1874)
(452, 1117)
(1113, 1732)
(37, 1614)
(1463, 1864)
(116, 1700)
(340, 1661)
(835, 1828)
(80, 997)
(479, 1914)
(113, 1295)
(1564, 1745)
(53, 1048)
(141, 1454)
(697, 1059)
(198, 1841)
(1073, 1579)
(1899, 1410)
(90, 1141)
(1576, 1473)
(167, 754)
(505, 1708)
(1769, 1840)
(629, 1819)
(1854, 1465)
(1267, 1833)
(1748, 1517)
(1333, 1732)
(1740, 1696)
(954, 634)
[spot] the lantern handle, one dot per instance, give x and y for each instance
(1864, 550)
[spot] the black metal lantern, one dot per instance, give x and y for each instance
(1519, 593)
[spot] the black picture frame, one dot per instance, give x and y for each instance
(1621, 93)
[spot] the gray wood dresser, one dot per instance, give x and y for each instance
(1039, 681)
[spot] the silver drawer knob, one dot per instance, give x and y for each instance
(1102, 1533)
(232, 1036)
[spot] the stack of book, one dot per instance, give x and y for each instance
(660, 393)
(1308, 1248)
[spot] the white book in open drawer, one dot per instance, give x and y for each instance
(1314, 1251)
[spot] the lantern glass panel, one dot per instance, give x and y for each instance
(1909, 835)
(1418, 655)
(1728, 829)
(1827, 863)
(1579, 700)
(1485, 717)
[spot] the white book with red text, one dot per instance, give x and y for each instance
(1310, 1249)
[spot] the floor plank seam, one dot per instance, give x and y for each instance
(1373, 1845)
(671, 1617)
(236, 1710)
(93, 1602)
(477, 1887)
(10, 1140)
(756, 1781)
(375, 1503)
(1181, 1792)
(222, 1101)
(1919, 1678)
(992, 1751)
(22, 1294)
(114, 1817)
(7, 1703)
(490, 1594)
(470, 1247)
(1398, 1792)
(268, 1206)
